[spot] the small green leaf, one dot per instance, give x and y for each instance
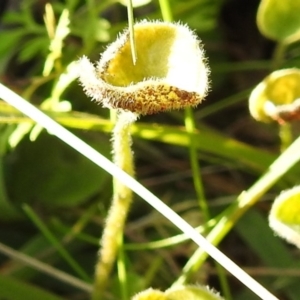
(279, 19)
(73, 178)
(12, 39)
(102, 33)
(33, 48)
(285, 215)
(14, 18)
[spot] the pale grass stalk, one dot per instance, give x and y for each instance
(45, 268)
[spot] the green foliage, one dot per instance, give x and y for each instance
(58, 180)
(244, 164)
(12, 288)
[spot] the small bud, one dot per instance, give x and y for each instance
(170, 71)
(284, 217)
(276, 98)
(279, 20)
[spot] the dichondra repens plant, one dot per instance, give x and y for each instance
(170, 73)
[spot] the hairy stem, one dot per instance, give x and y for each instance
(121, 201)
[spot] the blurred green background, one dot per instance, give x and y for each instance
(53, 201)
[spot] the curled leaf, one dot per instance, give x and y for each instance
(276, 98)
(284, 217)
(170, 71)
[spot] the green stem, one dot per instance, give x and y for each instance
(278, 55)
(56, 243)
(7, 210)
(225, 288)
(286, 136)
(122, 274)
(190, 128)
(121, 201)
(198, 184)
(166, 11)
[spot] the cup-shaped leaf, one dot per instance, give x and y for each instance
(279, 19)
(284, 217)
(179, 293)
(170, 71)
(135, 3)
(150, 294)
(191, 293)
(277, 97)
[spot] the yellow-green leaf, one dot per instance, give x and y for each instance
(15, 289)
